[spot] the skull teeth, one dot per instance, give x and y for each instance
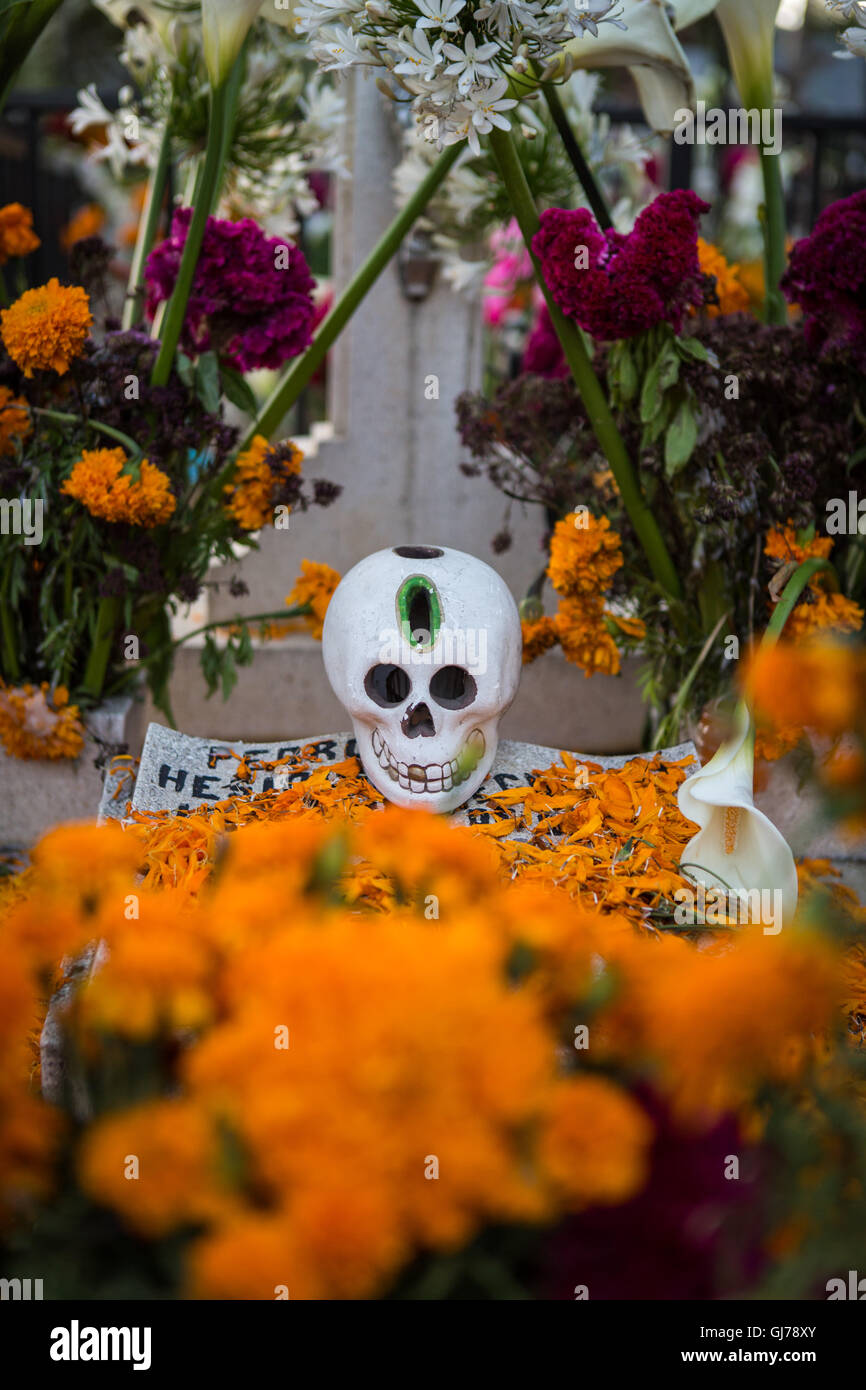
(424, 778)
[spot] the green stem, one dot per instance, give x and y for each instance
(107, 615)
(594, 195)
(587, 382)
(773, 228)
(64, 418)
(172, 324)
(299, 373)
(300, 610)
(147, 229)
(670, 724)
(791, 593)
(7, 627)
(233, 91)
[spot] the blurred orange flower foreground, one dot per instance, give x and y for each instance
(338, 1041)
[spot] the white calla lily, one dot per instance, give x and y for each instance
(651, 51)
(225, 24)
(749, 28)
(737, 846)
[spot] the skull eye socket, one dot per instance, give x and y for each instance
(453, 688)
(387, 685)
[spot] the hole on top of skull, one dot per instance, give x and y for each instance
(387, 685)
(453, 688)
(418, 552)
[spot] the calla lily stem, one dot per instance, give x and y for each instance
(299, 373)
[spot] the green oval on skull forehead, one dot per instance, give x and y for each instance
(414, 591)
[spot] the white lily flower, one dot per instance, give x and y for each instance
(586, 17)
(737, 846)
(91, 111)
(470, 62)
(439, 14)
(225, 25)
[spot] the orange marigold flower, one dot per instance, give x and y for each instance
(822, 611)
(87, 221)
(783, 545)
(17, 237)
(773, 743)
(594, 1145)
(584, 555)
(820, 684)
(15, 422)
(720, 1022)
(99, 482)
(176, 1182)
(314, 585)
(731, 293)
(258, 474)
(36, 724)
(539, 635)
(47, 327)
(584, 637)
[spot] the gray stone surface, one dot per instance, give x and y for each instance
(179, 772)
(286, 692)
(34, 795)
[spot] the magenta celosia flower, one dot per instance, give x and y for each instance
(827, 278)
(543, 352)
(617, 285)
(251, 298)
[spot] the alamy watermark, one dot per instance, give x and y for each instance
(737, 126)
(22, 517)
(719, 907)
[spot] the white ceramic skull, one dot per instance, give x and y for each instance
(422, 645)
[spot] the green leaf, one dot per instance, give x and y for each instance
(680, 440)
(694, 348)
(207, 382)
(661, 376)
(185, 369)
(628, 379)
(237, 390)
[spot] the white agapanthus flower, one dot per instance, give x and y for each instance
(418, 57)
(585, 18)
(448, 53)
(337, 48)
(470, 63)
(440, 14)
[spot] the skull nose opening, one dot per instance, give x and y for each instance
(418, 552)
(418, 720)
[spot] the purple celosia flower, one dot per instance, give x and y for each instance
(827, 278)
(543, 352)
(252, 296)
(617, 285)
